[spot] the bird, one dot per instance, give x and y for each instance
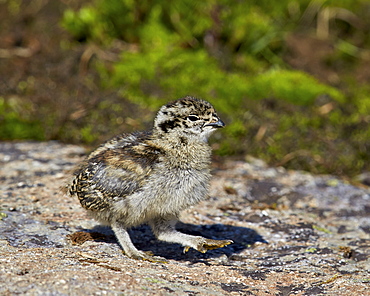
(149, 177)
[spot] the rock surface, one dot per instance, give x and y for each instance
(294, 234)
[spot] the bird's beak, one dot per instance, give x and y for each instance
(219, 123)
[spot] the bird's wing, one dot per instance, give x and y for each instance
(113, 172)
(120, 172)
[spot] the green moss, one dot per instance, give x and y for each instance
(15, 123)
(293, 86)
(232, 53)
(87, 134)
(311, 250)
(318, 228)
(297, 135)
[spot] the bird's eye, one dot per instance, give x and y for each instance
(192, 118)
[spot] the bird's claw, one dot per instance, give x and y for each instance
(186, 249)
(148, 256)
(210, 244)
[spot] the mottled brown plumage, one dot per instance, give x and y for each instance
(150, 177)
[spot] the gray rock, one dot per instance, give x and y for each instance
(294, 233)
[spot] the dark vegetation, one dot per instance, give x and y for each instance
(290, 78)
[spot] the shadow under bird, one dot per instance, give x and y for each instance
(150, 177)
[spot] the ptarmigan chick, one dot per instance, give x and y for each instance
(150, 177)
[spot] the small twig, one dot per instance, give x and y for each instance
(100, 263)
(332, 279)
(297, 153)
(23, 52)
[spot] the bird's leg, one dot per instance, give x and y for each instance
(128, 247)
(164, 229)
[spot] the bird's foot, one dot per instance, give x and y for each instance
(209, 244)
(146, 256)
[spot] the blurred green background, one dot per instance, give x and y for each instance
(290, 78)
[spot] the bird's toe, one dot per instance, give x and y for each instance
(211, 244)
(147, 256)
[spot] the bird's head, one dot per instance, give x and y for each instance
(188, 117)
